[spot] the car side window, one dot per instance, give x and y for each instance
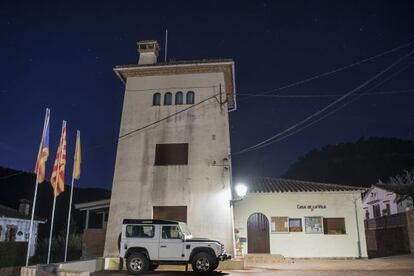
(140, 231)
(171, 232)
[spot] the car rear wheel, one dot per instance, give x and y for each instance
(203, 263)
(137, 263)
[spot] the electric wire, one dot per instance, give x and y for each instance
(370, 80)
(321, 118)
(167, 117)
(408, 44)
(392, 92)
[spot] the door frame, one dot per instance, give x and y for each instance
(250, 238)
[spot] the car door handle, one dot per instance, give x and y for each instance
(163, 246)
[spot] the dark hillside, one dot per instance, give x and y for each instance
(360, 163)
(15, 185)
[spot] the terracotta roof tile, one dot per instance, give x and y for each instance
(281, 185)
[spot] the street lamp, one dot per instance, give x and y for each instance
(241, 191)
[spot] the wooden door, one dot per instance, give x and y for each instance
(258, 234)
(178, 213)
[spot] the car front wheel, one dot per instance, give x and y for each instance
(203, 263)
(137, 263)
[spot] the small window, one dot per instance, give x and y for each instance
(140, 231)
(179, 97)
(376, 210)
(334, 226)
(156, 99)
(313, 225)
(387, 210)
(171, 154)
(171, 232)
(190, 97)
(143, 46)
(366, 214)
(279, 225)
(168, 98)
(295, 225)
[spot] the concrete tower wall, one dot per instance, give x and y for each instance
(203, 185)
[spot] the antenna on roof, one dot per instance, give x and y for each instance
(166, 45)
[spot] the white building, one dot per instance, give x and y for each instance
(379, 202)
(15, 225)
(173, 153)
(300, 219)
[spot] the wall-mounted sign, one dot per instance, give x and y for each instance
(311, 207)
(313, 225)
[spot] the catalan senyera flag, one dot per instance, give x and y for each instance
(78, 159)
(43, 154)
(58, 173)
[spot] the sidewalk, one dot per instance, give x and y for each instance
(394, 263)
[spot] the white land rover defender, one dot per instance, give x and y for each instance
(145, 244)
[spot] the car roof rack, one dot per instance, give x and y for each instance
(149, 221)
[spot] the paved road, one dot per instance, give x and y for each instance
(390, 266)
(270, 272)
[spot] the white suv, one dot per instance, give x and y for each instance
(147, 243)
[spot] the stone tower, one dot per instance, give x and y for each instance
(173, 159)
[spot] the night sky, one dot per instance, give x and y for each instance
(60, 54)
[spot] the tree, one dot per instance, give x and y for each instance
(401, 184)
(359, 163)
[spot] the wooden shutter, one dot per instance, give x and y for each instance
(171, 154)
(178, 213)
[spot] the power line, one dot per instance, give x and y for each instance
(392, 92)
(291, 128)
(11, 175)
(324, 116)
(168, 117)
(335, 70)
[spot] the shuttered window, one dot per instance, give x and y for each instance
(171, 154)
(334, 226)
(280, 224)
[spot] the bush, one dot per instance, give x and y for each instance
(13, 253)
(58, 249)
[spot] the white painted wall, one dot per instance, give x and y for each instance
(23, 226)
(379, 196)
(138, 185)
(301, 244)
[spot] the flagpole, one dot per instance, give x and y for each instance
(37, 182)
(54, 191)
(71, 193)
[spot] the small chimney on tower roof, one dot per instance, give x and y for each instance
(148, 51)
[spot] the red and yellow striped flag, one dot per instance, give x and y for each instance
(43, 154)
(59, 165)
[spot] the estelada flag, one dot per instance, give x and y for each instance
(58, 173)
(78, 159)
(43, 153)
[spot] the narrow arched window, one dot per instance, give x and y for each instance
(190, 97)
(168, 98)
(156, 99)
(179, 97)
